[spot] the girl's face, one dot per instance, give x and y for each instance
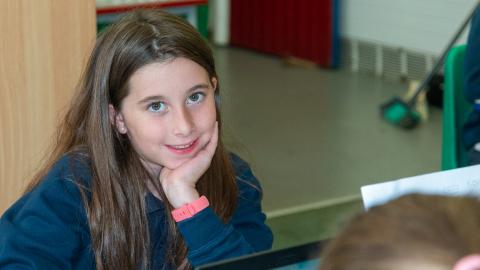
(169, 114)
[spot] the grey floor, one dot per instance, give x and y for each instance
(314, 136)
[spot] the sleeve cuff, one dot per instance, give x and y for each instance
(201, 228)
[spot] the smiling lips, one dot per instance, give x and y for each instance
(183, 148)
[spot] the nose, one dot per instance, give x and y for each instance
(183, 124)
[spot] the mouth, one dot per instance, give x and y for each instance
(183, 148)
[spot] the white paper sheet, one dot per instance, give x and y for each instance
(457, 182)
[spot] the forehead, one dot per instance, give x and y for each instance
(169, 77)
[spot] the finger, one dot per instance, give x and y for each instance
(209, 150)
(212, 144)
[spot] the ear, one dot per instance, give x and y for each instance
(214, 83)
(470, 262)
(215, 92)
(116, 119)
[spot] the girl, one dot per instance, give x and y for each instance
(139, 177)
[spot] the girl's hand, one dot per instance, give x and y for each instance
(179, 183)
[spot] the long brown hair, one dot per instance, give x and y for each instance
(412, 232)
(115, 198)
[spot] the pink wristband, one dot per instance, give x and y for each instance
(190, 209)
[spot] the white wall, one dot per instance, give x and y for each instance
(419, 25)
(219, 21)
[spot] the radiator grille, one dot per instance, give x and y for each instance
(366, 57)
(416, 66)
(391, 63)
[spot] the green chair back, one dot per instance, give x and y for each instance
(455, 110)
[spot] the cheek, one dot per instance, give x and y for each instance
(143, 130)
(208, 116)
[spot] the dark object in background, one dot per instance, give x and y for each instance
(435, 91)
(305, 256)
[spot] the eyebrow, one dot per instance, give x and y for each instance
(151, 98)
(160, 97)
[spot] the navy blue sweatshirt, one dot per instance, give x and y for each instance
(471, 71)
(47, 228)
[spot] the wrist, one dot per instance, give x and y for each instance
(188, 210)
(181, 197)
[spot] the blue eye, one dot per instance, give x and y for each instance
(157, 107)
(195, 98)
